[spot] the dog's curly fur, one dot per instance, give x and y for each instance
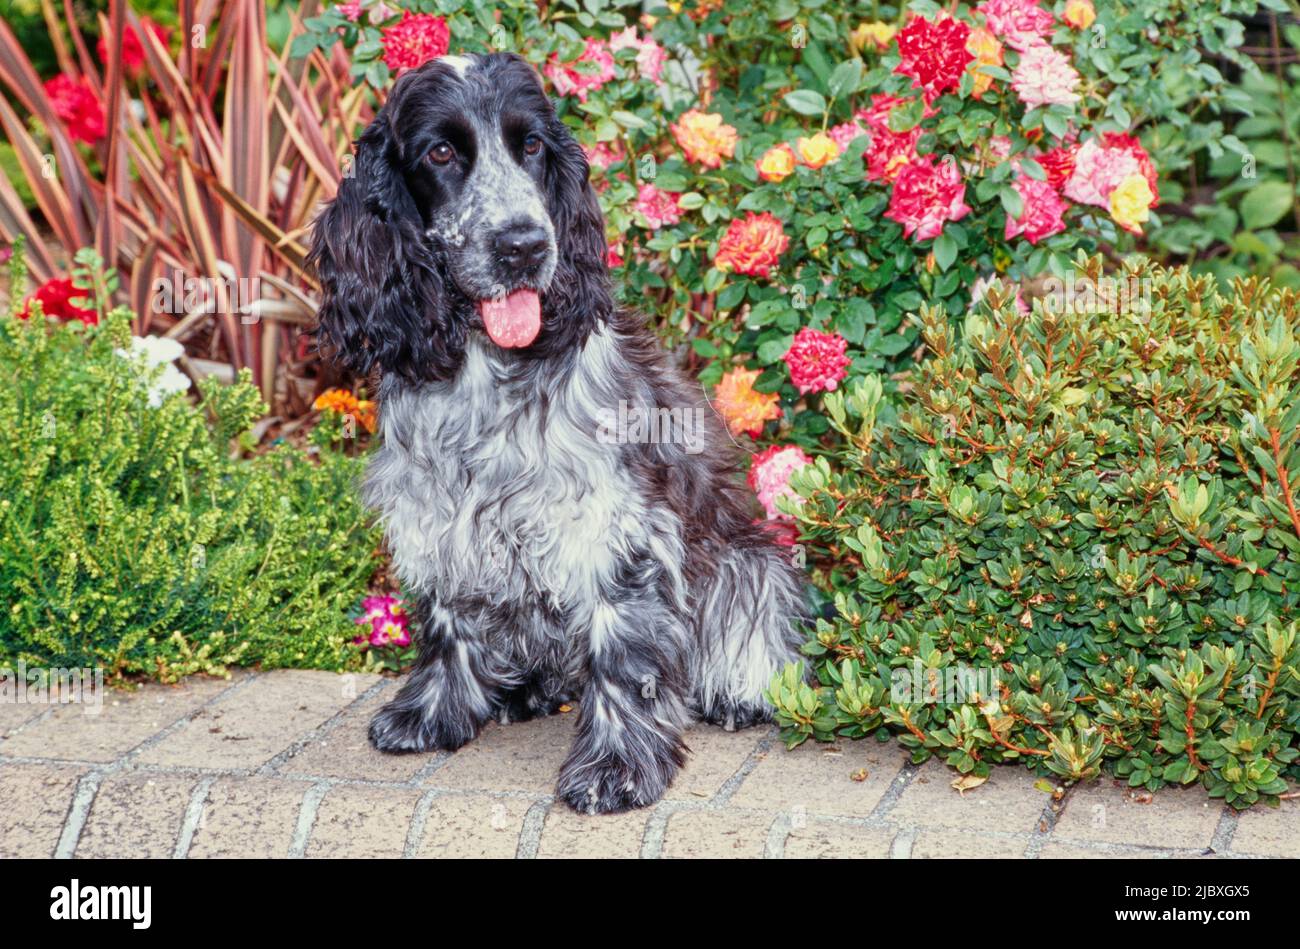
(547, 562)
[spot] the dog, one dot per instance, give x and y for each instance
(464, 259)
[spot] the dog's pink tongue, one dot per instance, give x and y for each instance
(514, 320)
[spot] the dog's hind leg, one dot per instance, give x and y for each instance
(747, 622)
(634, 706)
(451, 692)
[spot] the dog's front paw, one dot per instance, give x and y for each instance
(612, 784)
(733, 715)
(404, 729)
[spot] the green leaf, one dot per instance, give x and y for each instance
(806, 102)
(945, 251)
(1265, 204)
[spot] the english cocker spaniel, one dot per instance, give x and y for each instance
(551, 555)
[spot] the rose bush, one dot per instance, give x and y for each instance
(797, 167)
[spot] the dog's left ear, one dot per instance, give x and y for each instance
(582, 276)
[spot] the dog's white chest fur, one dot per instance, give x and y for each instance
(486, 487)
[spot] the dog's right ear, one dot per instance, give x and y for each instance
(380, 288)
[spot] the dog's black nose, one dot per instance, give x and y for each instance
(522, 245)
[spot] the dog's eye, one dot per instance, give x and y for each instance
(532, 144)
(441, 153)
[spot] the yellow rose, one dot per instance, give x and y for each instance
(1130, 203)
(875, 36)
(987, 50)
(777, 163)
(818, 151)
(1080, 14)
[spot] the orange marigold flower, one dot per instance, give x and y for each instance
(752, 245)
(743, 409)
(343, 402)
(777, 163)
(818, 151)
(703, 138)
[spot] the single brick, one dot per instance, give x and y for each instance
(34, 802)
(362, 822)
(603, 836)
(712, 833)
(473, 825)
(136, 814)
(248, 817)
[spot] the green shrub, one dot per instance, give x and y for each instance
(133, 537)
(1096, 503)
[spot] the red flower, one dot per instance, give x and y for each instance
(1130, 144)
(889, 152)
(934, 54)
(75, 103)
(752, 245)
(926, 195)
(817, 361)
(132, 48)
(660, 208)
(56, 297)
(414, 40)
(1058, 163)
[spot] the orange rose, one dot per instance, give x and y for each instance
(743, 409)
(752, 245)
(818, 151)
(1080, 14)
(986, 49)
(777, 163)
(703, 138)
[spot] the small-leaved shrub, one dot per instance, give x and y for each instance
(139, 537)
(1075, 542)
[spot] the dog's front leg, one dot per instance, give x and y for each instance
(448, 695)
(634, 705)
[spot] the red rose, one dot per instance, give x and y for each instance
(414, 40)
(74, 101)
(934, 54)
(56, 298)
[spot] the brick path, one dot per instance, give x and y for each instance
(276, 764)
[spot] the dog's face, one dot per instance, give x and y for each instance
(468, 210)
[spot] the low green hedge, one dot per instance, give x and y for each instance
(1074, 542)
(140, 538)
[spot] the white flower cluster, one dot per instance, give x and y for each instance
(155, 351)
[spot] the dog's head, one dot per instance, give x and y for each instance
(467, 209)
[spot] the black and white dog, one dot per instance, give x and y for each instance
(548, 562)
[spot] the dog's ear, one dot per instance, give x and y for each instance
(381, 292)
(582, 276)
